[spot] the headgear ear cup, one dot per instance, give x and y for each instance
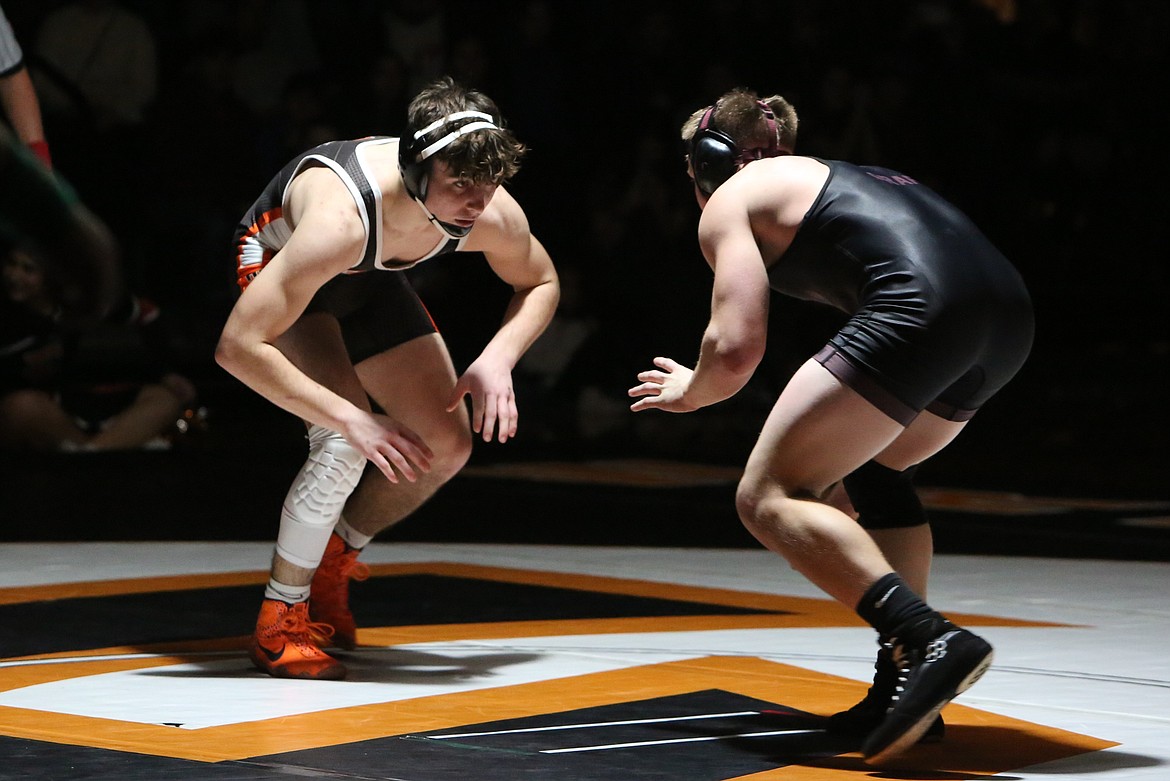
(714, 156)
(413, 168)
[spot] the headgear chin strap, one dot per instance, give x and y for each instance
(414, 155)
(715, 157)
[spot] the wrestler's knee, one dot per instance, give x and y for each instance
(451, 442)
(773, 509)
(315, 499)
(760, 502)
(327, 477)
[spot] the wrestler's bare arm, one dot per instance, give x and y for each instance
(519, 259)
(327, 240)
(736, 334)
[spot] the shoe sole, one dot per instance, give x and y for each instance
(909, 737)
(932, 735)
(335, 673)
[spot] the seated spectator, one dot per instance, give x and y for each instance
(60, 390)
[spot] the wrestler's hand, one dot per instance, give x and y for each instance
(493, 402)
(389, 445)
(663, 388)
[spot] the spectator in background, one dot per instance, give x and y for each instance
(61, 282)
(18, 97)
(53, 396)
(97, 76)
(39, 208)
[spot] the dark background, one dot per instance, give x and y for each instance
(1043, 119)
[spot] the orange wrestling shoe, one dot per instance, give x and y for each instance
(329, 595)
(286, 643)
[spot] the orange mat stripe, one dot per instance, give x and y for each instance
(783, 611)
(829, 613)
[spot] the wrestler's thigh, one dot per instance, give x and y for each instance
(315, 346)
(818, 431)
(926, 435)
(413, 382)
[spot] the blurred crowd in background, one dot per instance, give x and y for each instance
(1043, 119)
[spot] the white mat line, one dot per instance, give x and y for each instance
(114, 657)
(700, 739)
(588, 725)
(1011, 708)
(1082, 676)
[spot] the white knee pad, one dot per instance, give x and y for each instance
(317, 496)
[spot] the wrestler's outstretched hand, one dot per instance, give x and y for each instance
(663, 388)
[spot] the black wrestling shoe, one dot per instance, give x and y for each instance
(864, 717)
(936, 673)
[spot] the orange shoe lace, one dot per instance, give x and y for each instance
(348, 569)
(295, 624)
(354, 569)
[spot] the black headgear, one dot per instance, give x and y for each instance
(415, 151)
(715, 157)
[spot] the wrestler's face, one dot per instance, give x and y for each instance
(454, 199)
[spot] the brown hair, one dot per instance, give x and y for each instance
(738, 115)
(490, 156)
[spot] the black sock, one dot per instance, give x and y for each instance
(894, 610)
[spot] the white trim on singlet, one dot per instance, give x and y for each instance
(403, 265)
(359, 152)
(276, 233)
(350, 185)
